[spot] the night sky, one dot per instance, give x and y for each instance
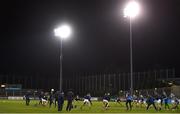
(100, 39)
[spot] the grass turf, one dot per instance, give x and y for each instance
(18, 106)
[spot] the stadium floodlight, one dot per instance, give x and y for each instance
(131, 10)
(3, 86)
(63, 32)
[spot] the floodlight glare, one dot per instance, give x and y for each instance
(132, 9)
(3, 85)
(63, 31)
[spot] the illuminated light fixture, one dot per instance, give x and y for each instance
(132, 9)
(63, 31)
(3, 85)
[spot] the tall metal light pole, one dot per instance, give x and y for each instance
(131, 55)
(131, 10)
(61, 59)
(62, 32)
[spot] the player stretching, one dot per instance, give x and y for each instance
(176, 103)
(87, 101)
(129, 99)
(150, 101)
(106, 100)
(142, 101)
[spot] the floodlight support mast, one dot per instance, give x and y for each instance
(131, 55)
(61, 60)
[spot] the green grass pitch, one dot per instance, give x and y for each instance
(18, 106)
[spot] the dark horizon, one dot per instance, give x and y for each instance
(100, 39)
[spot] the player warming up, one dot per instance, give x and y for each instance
(87, 101)
(106, 100)
(129, 99)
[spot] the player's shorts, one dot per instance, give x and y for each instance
(105, 101)
(86, 101)
(172, 101)
(144, 102)
(159, 101)
(43, 100)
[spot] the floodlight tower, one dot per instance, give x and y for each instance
(62, 32)
(131, 10)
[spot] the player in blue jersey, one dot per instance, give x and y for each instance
(150, 101)
(166, 103)
(106, 100)
(70, 97)
(60, 101)
(87, 100)
(129, 99)
(27, 97)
